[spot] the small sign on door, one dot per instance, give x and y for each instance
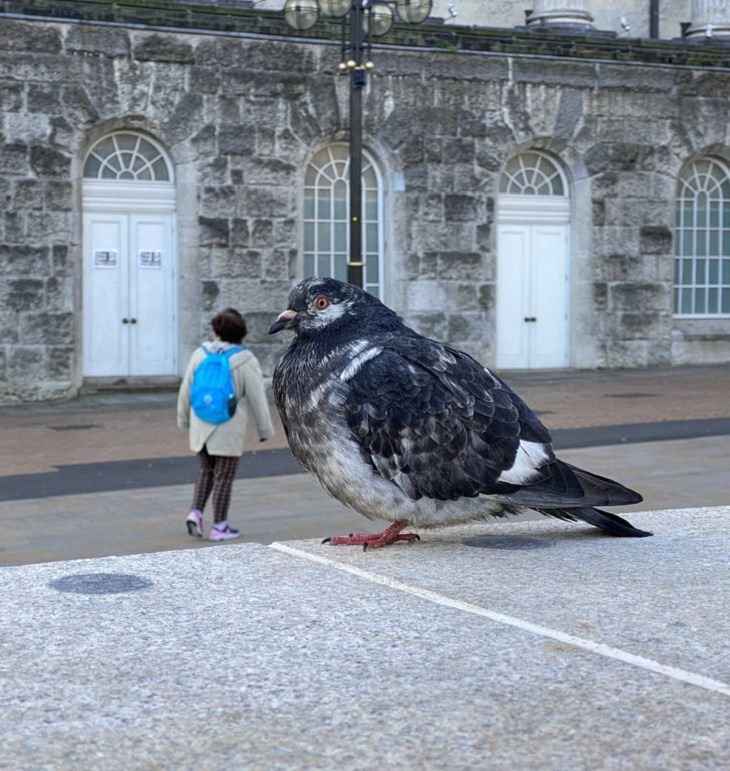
(150, 259)
(105, 258)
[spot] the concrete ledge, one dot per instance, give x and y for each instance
(525, 645)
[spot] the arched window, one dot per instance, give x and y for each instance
(127, 156)
(532, 173)
(702, 240)
(326, 217)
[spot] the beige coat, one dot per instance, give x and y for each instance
(226, 438)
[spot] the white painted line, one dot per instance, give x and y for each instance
(527, 626)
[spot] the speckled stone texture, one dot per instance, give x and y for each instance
(246, 657)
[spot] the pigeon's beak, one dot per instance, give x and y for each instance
(285, 320)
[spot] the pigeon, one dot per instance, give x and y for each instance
(404, 428)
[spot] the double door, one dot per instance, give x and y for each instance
(129, 299)
(532, 296)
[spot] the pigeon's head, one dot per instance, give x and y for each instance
(319, 304)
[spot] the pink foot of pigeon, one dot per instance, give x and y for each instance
(391, 534)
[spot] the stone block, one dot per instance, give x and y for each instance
(235, 263)
(614, 156)
(47, 162)
(639, 297)
(233, 140)
(619, 76)
(270, 171)
(459, 265)
(8, 326)
(24, 260)
(161, 48)
(14, 159)
(11, 96)
(458, 150)
(104, 41)
(26, 364)
(214, 231)
(627, 353)
(47, 328)
(28, 194)
(185, 118)
(487, 296)
(240, 233)
(209, 292)
(598, 211)
(60, 294)
(204, 80)
(204, 141)
(546, 72)
(77, 106)
(642, 326)
(59, 196)
(459, 206)
(276, 264)
(466, 326)
(34, 37)
(60, 362)
(48, 225)
(61, 264)
(219, 201)
(655, 239)
(269, 201)
(262, 232)
(460, 297)
(285, 233)
(570, 111)
(14, 226)
(433, 325)
(63, 133)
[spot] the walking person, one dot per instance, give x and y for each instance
(223, 379)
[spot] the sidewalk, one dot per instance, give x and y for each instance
(111, 474)
(130, 426)
(541, 645)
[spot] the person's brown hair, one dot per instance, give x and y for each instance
(229, 325)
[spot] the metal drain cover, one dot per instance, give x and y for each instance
(100, 583)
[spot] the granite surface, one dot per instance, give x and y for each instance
(248, 657)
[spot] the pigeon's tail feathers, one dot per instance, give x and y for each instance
(566, 486)
(611, 492)
(609, 523)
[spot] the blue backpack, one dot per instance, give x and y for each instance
(213, 393)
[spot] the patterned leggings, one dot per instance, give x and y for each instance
(216, 474)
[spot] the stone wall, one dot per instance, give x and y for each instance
(240, 117)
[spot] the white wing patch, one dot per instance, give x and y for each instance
(530, 457)
(356, 364)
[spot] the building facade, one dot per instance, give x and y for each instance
(540, 200)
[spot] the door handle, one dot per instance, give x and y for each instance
(530, 318)
(133, 321)
(125, 321)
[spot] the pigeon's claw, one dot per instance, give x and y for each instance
(391, 534)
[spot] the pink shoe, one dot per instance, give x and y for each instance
(195, 522)
(226, 534)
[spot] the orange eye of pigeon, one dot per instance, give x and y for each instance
(321, 303)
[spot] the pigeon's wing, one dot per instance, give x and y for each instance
(438, 424)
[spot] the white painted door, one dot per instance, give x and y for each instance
(532, 301)
(129, 303)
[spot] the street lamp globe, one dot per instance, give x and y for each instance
(335, 7)
(413, 11)
(378, 19)
(301, 14)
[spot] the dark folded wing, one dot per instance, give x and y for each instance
(436, 423)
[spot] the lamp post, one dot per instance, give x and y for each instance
(361, 21)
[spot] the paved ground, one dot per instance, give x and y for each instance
(111, 474)
(539, 645)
